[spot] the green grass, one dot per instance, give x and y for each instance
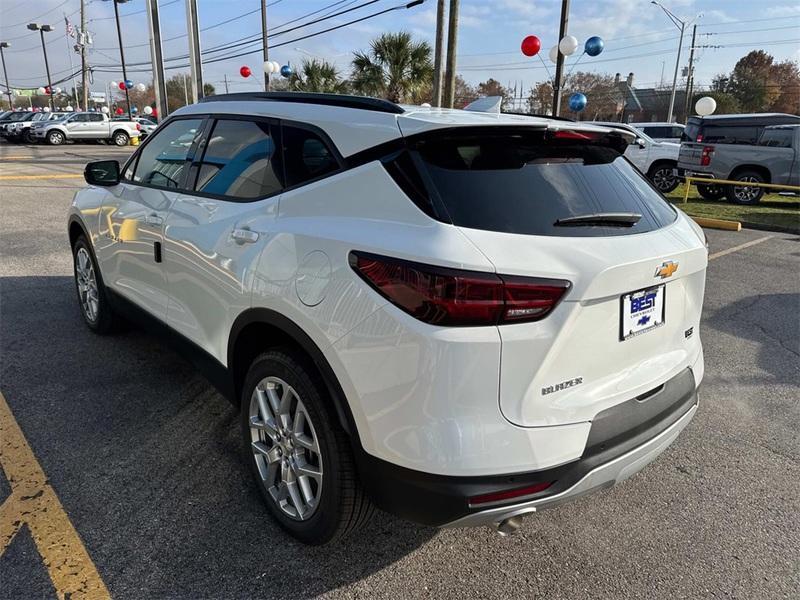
(773, 210)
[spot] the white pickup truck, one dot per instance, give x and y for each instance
(656, 160)
(82, 126)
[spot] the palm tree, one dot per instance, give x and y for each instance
(395, 67)
(318, 76)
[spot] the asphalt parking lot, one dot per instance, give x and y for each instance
(137, 459)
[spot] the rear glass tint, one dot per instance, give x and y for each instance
(524, 184)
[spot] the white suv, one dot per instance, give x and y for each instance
(459, 317)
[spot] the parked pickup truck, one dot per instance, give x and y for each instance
(20, 131)
(774, 159)
(85, 126)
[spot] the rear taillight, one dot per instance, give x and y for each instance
(138, 127)
(705, 157)
(451, 297)
(699, 138)
(509, 494)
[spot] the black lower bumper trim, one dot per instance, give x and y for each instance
(438, 499)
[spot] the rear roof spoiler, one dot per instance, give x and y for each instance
(487, 104)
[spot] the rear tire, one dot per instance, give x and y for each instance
(299, 455)
(121, 138)
(92, 298)
(711, 192)
(745, 195)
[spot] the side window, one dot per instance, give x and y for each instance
(677, 132)
(163, 159)
(240, 161)
(80, 118)
(305, 155)
(776, 138)
(94, 117)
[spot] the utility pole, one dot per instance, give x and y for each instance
(452, 47)
(225, 76)
(690, 75)
(264, 43)
(5, 74)
(680, 24)
(437, 59)
(122, 55)
(157, 58)
(83, 37)
(185, 92)
(195, 63)
(562, 31)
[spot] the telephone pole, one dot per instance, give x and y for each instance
(195, 64)
(264, 42)
(225, 76)
(690, 75)
(452, 47)
(680, 24)
(82, 39)
(5, 74)
(157, 58)
(562, 31)
(437, 59)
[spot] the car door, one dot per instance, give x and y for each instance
(96, 126)
(639, 154)
(76, 126)
(215, 233)
(130, 244)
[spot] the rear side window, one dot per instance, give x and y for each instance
(95, 117)
(524, 184)
(306, 156)
(240, 161)
(776, 138)
(163, 159)
(730, 134)
(658, 132)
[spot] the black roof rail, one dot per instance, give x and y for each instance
(342, 100)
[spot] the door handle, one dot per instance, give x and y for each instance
(154, 220)
(244, 236)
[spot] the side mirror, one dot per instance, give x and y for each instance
(640, 142)
(102, 172)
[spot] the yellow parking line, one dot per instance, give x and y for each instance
(56, 176)
(34, 503)
(740, 247)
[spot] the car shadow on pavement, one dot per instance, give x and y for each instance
(146, 458)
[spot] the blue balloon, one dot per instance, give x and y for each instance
(286, 71)
(128, 83)
(134, 109)
(577, 102)
(594, 45)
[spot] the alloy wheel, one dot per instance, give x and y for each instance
(121, 139)
(87, 284)
(286, 448)
(746, 194)
(664, 180)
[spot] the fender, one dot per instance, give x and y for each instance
(302, 339)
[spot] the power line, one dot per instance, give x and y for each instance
(34, 19)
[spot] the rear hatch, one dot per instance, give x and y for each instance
(570, 207)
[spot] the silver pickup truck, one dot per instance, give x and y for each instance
(86, 126)
(773, 159)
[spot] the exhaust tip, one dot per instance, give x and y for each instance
(508, 526)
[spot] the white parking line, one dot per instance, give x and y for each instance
(740, 247)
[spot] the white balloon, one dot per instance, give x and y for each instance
(554, 54)
(148, 110)
(57, 90)
(41, 91)
(140, 87)
(68, 109)
(46, 109)
(104, 110)
(276, 67)
(568, 45)
(268, 67)
(705, 106)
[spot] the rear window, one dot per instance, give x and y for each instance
(524, 183)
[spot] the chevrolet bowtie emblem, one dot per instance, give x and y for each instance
(667, 268)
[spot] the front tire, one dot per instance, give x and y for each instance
(55, 138)
(663, 177)
(711, 192)
(300, 456)
(745, 195)
(95, 308)
(121, 138)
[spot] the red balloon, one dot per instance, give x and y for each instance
(122, 85)
(47, 90)
(119, 110)
(245, 71)
(531, 45)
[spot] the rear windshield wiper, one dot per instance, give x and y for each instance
(605, 218)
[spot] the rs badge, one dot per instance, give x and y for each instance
(667, 268)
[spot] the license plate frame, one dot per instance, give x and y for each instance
(653, 310)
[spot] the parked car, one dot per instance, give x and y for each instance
(9, 130)
(81, 126)
(12, 117)
(733, 129)
(146, 125)
(662, 131)
(349, 272)
(20, 131)
(773, 159)
(656, 160)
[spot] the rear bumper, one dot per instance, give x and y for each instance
(622, 440)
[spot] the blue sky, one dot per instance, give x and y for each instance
(639, 37)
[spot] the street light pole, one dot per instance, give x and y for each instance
(122, 55)
(680, 24)
(41, 29)
(264, 42)
(5, 74)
